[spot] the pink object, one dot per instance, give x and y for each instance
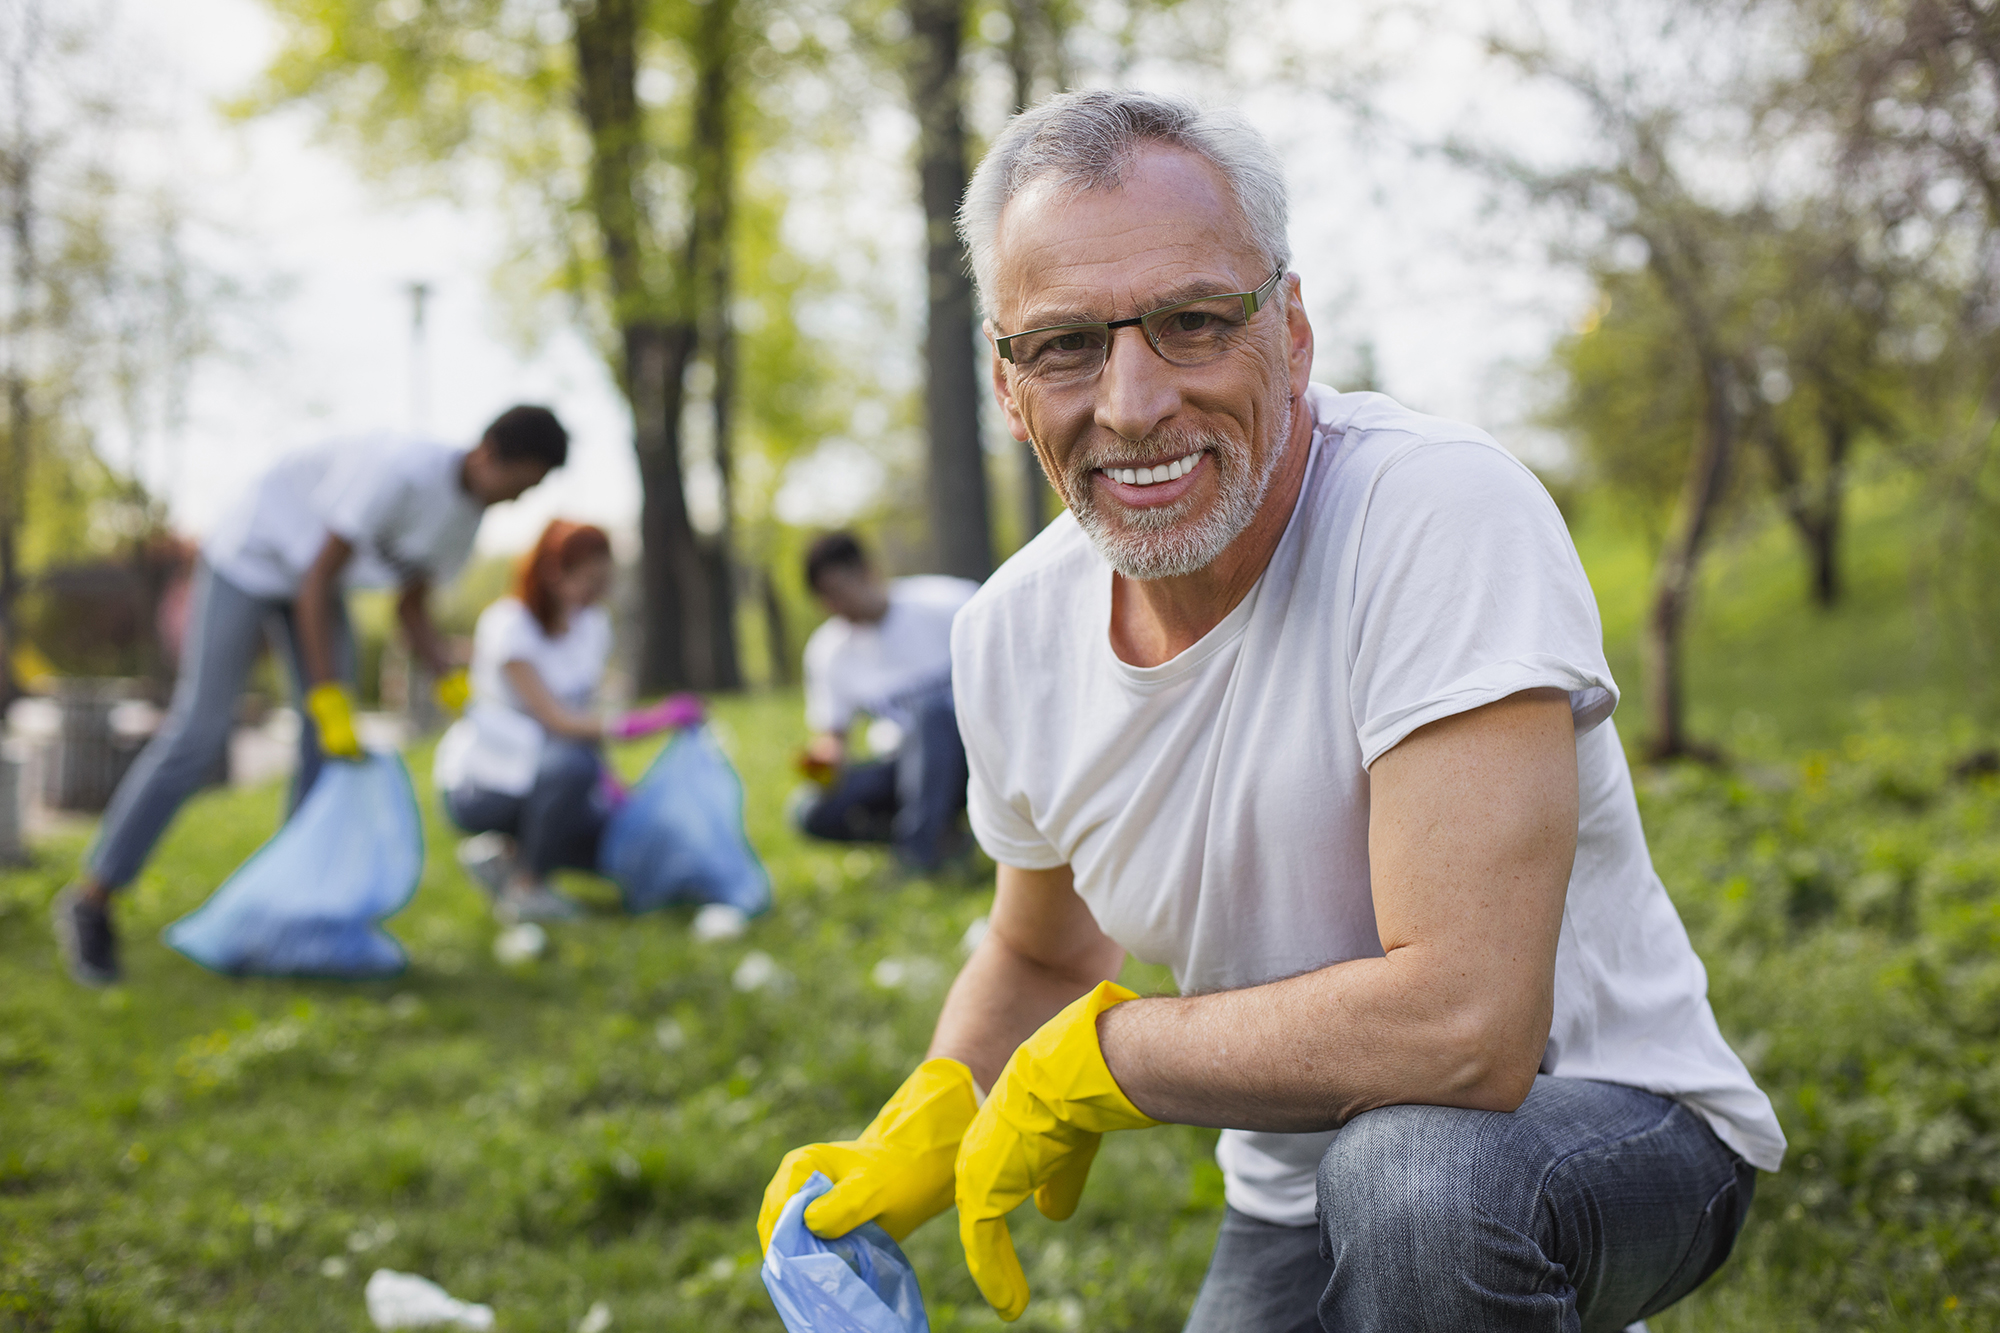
(669, 714)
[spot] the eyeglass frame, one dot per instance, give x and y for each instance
(1253, 301)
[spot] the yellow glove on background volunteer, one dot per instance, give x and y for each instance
(1037, 1134)
(453, 690)
(333, 713)
(897, 1174)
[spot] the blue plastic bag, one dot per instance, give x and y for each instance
(860, 1283)
(309, 901)
(679, 836)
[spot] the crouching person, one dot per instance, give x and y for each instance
(884, 650)
(522, 769)
(1306, 699)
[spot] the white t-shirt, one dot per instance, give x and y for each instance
(498, 744)
(1214, 809)
(853, 668)
(397, 500)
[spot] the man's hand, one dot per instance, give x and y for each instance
(332, 712)
(897, 1174)
(1038, 1134)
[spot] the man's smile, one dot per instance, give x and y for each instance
(1157, 484)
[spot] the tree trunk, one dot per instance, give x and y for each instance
(678, 643)
(1816, 518)
(709, 246)
(1673, 584)
(961, 531)
(676, 649)
(776, 635)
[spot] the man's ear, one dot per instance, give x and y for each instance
(1300, 329)
(1003, 392)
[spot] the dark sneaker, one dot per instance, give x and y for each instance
(536, 902)
(89, 944)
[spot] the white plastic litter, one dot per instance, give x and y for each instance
(974, 934)
(757, 970)
(596, 1319)
(521, 943)
(404, 1300)
(720, 921)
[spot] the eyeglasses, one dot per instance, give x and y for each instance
(1187, 333)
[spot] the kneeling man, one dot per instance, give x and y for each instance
(1306, 699)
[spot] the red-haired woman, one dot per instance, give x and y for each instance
(521, 769)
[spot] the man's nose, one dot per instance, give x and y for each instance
(1137, 389)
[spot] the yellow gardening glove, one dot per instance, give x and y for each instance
(453, 690)
(1036, 1134)
(333, 713)
(897, 1174)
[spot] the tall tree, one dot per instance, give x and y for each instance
(425, 84)
(1036, 64)
(961, 525)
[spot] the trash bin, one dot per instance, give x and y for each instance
(90, 754)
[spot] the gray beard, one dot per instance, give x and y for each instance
(1171, 541)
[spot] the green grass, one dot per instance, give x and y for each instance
(190, 1152)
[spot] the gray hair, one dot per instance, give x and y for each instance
(1085, 140)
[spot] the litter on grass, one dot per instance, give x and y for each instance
(522, 943)
(719, 921)
(858, 1283)
(310, 901)
(404, 1300)
(596, 1319)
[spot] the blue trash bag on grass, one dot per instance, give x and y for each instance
(859, 1283)
(678, 838)
(310, 901)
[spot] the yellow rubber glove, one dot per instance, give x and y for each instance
(454, 690)
(333, 713)
(897, 1174)
(1037, 1134)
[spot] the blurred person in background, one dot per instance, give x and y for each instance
(523, 770)
(884, 650)
(379, 511)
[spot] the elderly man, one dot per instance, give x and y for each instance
(1306, 700)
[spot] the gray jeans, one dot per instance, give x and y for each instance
(226, 629)
(1591, 1207)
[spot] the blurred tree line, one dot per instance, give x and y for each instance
(104, 311)
(648, 150)
(1790, 213)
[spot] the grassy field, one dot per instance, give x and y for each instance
(189, 1152)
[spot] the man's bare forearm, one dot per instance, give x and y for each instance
(419, 631)
(1310, 1052)
(1472, 833)
(997, 1002)
(313, 611)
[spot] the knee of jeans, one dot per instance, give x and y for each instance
(567, 761)
(1389, 1174)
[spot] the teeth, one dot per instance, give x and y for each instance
(1147, 476)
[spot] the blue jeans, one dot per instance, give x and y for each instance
(911, 801)
(1591, 1207)
(226, 629)
(558, 822)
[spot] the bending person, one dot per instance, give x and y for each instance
(383, 511)
(1305, 697)
(522, 769)
(884, 650)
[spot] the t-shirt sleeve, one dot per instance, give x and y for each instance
(824, 709)
(999, 816)
(1467, 590)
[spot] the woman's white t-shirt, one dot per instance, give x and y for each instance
(1214, 809)
(497, 745)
